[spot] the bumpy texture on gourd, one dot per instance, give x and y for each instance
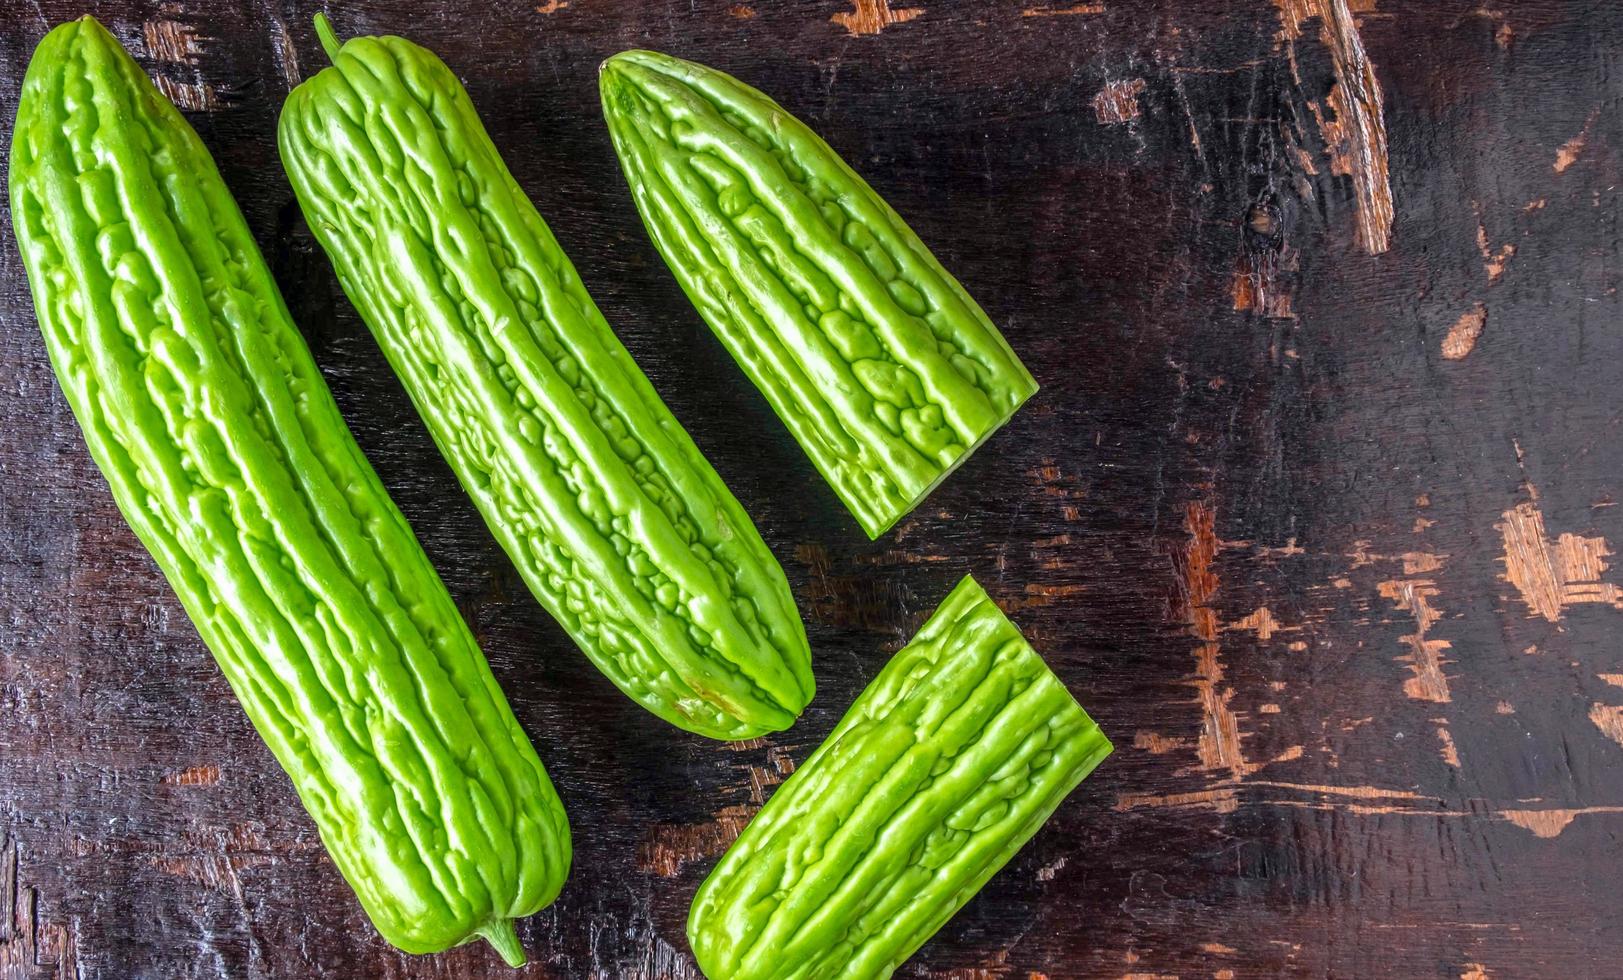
(613, 517)
(946, 764)
(876, 359)
(224, 449)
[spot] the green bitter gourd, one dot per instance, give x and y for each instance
(883, 368)
(225, 451)
(606, 507)
(945, 765)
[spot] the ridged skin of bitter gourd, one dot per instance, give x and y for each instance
(606, 507)
(946, 764)
(876, 359)
(224, 449)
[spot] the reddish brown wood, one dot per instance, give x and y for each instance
(1314, 511)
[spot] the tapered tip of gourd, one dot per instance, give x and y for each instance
(501, 936)
(329, 39)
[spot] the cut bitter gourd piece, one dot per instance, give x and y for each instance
(877, 360)
(225, 451)
(608, 510)
(946, 764)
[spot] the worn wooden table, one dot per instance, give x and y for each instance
(1312, 512)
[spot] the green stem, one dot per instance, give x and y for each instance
(329, 40)
(500, 935)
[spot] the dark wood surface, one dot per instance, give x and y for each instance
(1313, 511)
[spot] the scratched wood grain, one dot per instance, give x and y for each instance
(1314, 511)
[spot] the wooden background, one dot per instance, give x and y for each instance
(1313, 512)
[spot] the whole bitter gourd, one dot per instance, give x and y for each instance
(945, 765)
(225, 451)
(885, 370)
(606, 507)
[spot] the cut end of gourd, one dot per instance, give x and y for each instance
(328, 37)
(875, 529)
(501, 936)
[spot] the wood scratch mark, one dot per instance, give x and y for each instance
(172, 41)
(30, 946)
(1550, 823)
(1568, 154)
(287, 54)
(1493, 262)
(193, 776)
(1289, 550)
(1355, 130)
(873, 16)
(1450, 752)
(1156, 744)
(1117, 102)
(1221, 799)
(1420, 562)
(1425, 656)
(216, 857)
(1366, 809)
(175, 42)
(552, 6)
(1616, 680)
(1048, 871)
(1071, 11)
(1225, 798)
(1462, 336)
(1414, 562)
(1504, 708)
(1219, 744)
(1218, 949)
(1474, 971)
(1050, 592)
(193, 96)
(780, 766)
(1551, 577)
(1503, 33)
(741, 11)
(1256, 286)
(216, 871)
(670, 847)
(1609, 720)
(1356, 792)
(1542, 823)
(995, 967)
(1262, 623)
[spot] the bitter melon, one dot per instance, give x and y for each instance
(883, 368)
(225, 451)
(945, 765)
(606, 507)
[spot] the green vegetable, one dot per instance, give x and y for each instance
(945, 765)
(609, 511)
(873, 356)
(225, 451)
